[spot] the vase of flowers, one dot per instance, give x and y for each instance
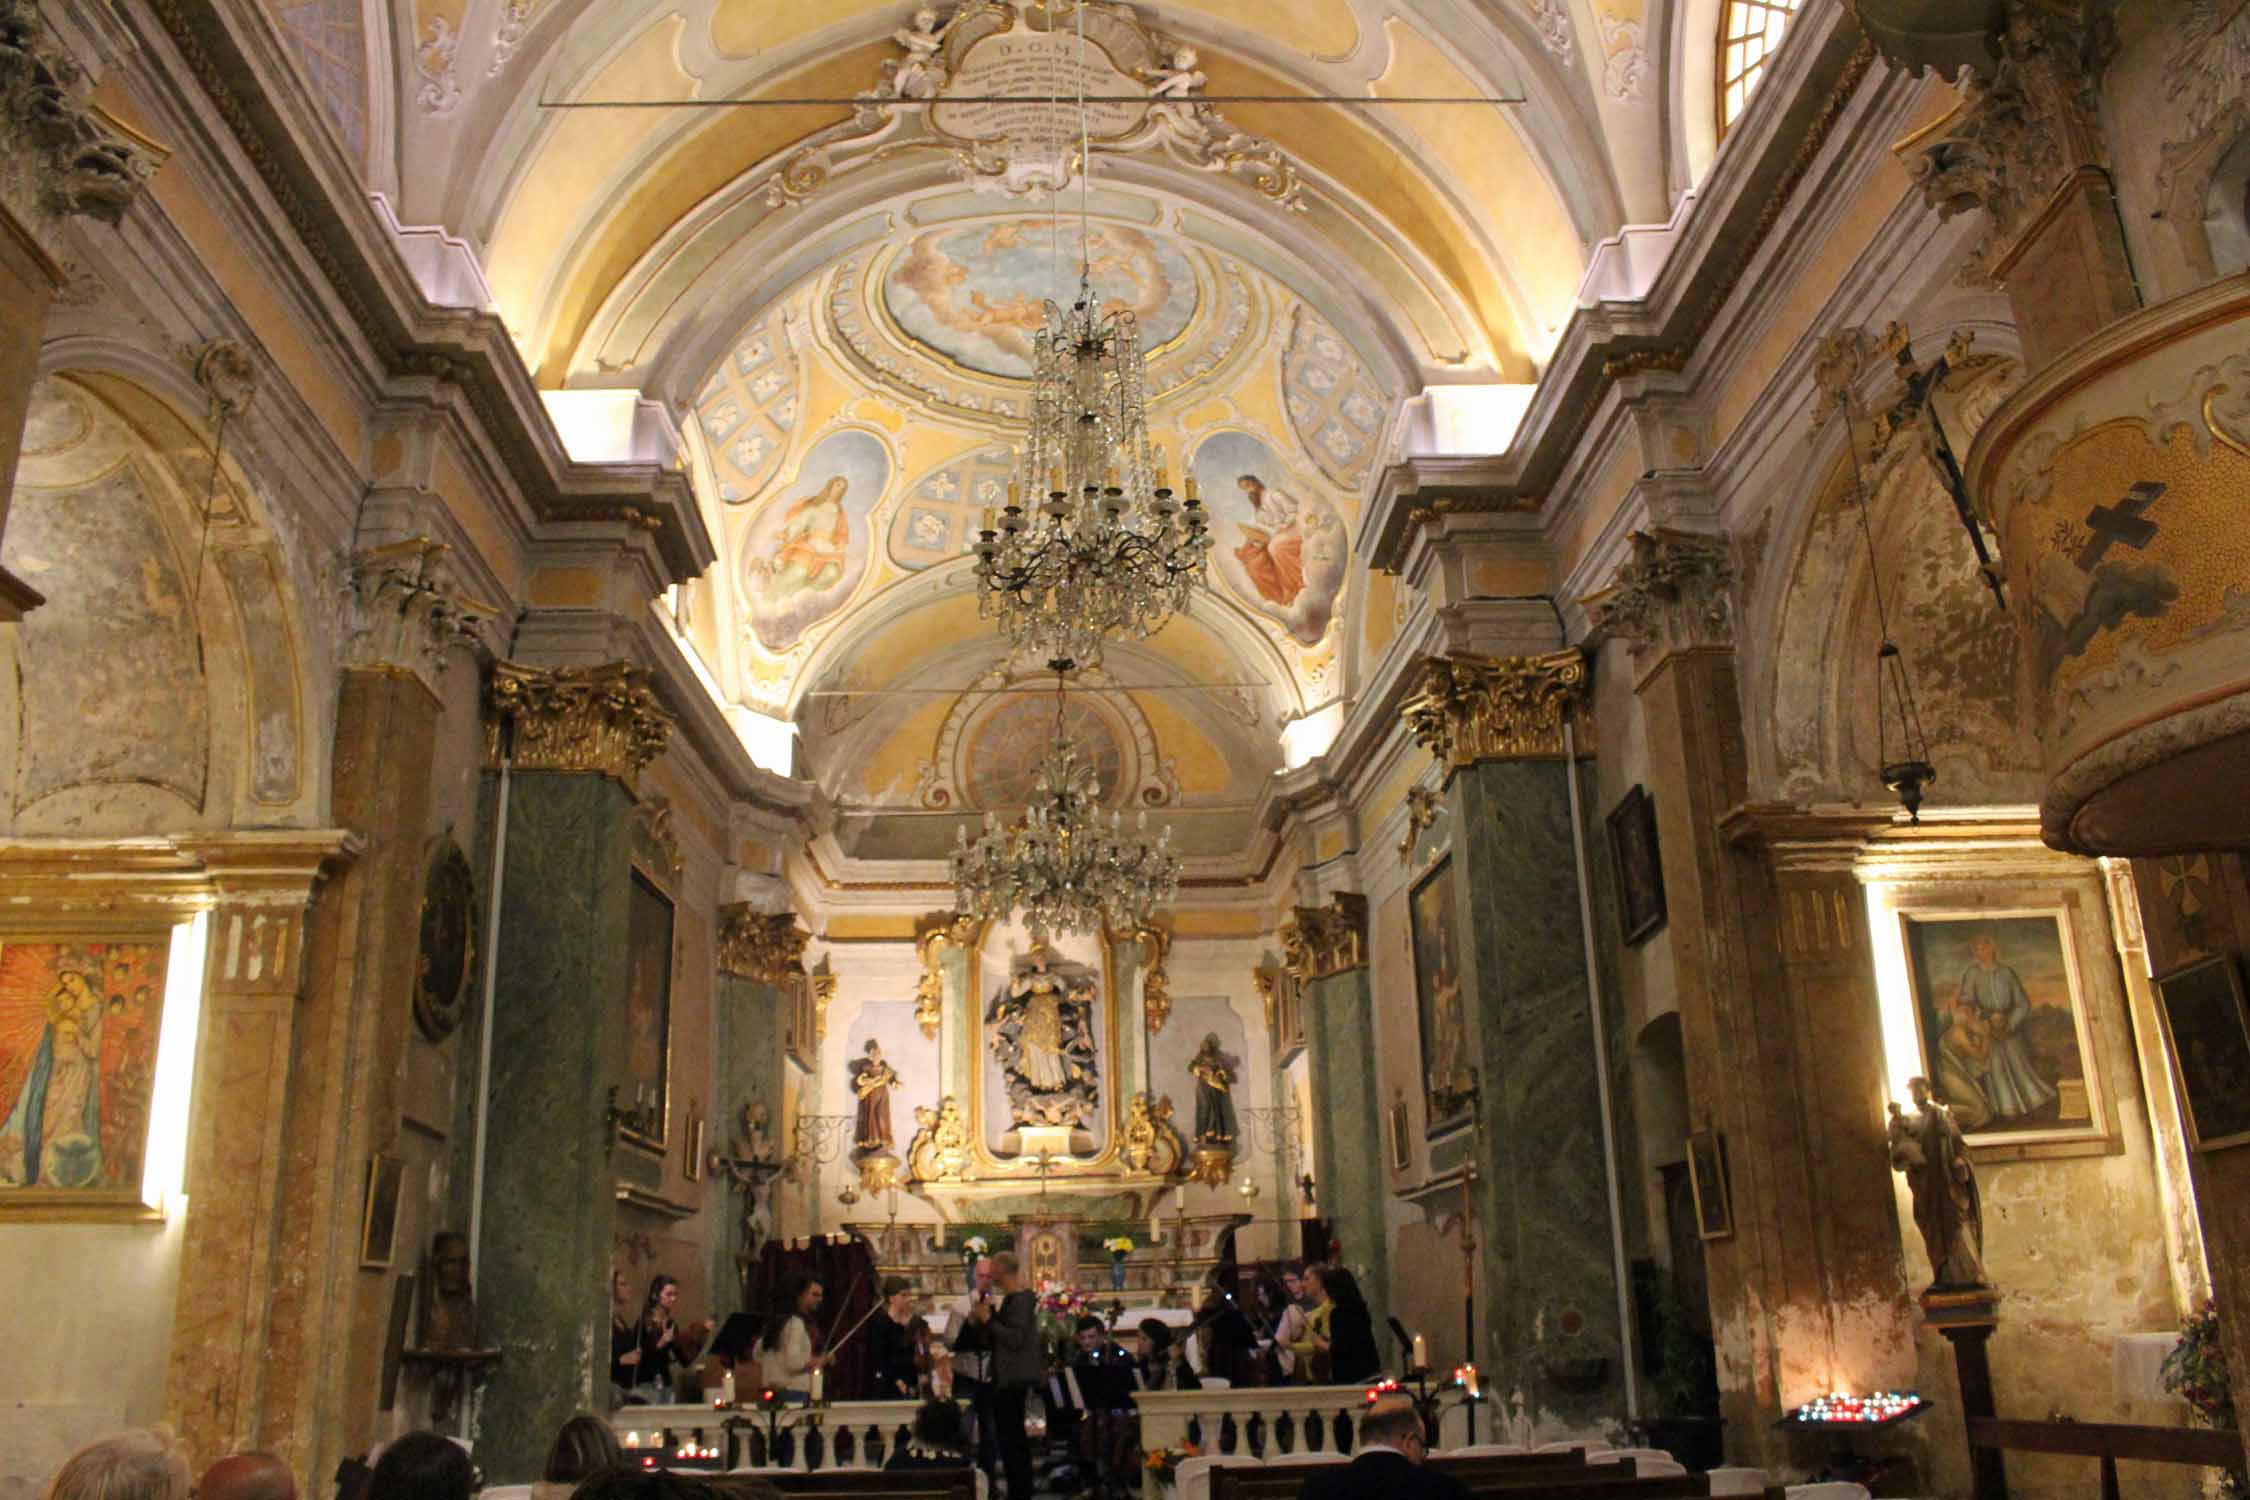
(2196, 1372)
(973, 1249)
(1119, 1246)
(1164, 1463)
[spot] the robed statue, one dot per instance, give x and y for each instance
(1930, 1149)
(1214, 1094)
(872, 1082)
(1042, 1026)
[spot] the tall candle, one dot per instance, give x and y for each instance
(817, 1383)
(1421, 1353)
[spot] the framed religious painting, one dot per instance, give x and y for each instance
(378, 1225)
(1640, 878)
(648, 1013)
(1434, 930)
(2208, 1025)
(79, 1019)
(1707, 1178)
(2001, 1019)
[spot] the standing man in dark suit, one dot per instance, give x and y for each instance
(972, 1361)
(1389, 1464)
(1017, 1366)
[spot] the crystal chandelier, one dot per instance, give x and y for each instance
(1062, 865)
(1109, 551)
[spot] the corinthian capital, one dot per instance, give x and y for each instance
(1320, 941)
(59, 153)
(603, 720)
(761, 945)
(1675, 593)
(403, 611)
(1476, 708)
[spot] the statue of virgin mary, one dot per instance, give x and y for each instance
(1043, 1038)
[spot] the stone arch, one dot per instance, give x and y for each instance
(162, 687)
(1961, 651)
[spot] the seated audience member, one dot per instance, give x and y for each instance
(1161, 1366)
(1388, 1464)
(941, 1440)
(663, 1484)
(143, 1464)
(583, 1448)
(247, 1476)
(423, 1466)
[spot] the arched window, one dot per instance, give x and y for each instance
(1749, 30)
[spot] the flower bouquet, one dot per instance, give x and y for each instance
(1164, 1463)
(2196, 1372)
(973, 1249)
(1060, 1308)
(1119, 1246)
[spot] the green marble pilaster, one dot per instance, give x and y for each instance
(1549, 1286)
(1348, 1180)
(558, 1044)
(752, 1020)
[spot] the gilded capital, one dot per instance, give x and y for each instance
(935, 935)
(761, 945)
(1318, 942)
(1478, 708)
(1675, 593)
(601, 719)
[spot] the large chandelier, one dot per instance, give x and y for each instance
(1063, 865)
(1108, 551)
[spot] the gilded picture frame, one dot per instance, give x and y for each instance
(378, 1223)
(2207, 1033)
(2001, 1023)
(651, 933)
(81, 1016)
(1707, 1177)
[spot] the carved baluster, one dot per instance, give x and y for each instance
(1343, 1432)
(1255, 1432)
(785, 1448)
(874, 1446)
(847, 1447)
(1229, 1435)
(1285, 1433)
(815, 1448)
(1195, 1431)
(1316, 1432)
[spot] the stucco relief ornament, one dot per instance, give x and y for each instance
(993, 86)
(60, 154)
(433, 60)
(939, 1151)
(1625, 69)
(403, 607)
(508, 34)
(1552, 17)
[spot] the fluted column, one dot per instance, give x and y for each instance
(575, 741)
(1508, 731)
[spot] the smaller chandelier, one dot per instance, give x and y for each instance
(1063, 866)
(1109, 552)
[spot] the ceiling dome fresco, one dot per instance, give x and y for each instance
(977, 294)
(949, 317)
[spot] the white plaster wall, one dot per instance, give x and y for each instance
(88, 1333)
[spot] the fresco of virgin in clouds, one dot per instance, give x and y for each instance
(977, 293)
(807, 549)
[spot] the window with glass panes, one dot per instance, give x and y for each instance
(1748, 33)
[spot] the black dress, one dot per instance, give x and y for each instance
(891, 1351)
(1352, 1356)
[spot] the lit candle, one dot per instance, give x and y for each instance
(1054, 480)
(1191, 488)
(1421, 1353)
(1163, 469)
(817, 1383)
(991, 519)
(1015, 494)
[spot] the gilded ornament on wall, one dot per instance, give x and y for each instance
(937, 934)
(601, 719)
(1320, 941)
(1156, 984)
(1476, 708)
(767, 946)
(1152, 1143)
(939, 1151)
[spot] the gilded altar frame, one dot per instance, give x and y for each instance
(1107, 1162)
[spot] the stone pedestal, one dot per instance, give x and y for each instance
(1967, 1320)
(1506, 729)
(577, 741)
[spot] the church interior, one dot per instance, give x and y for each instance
(1585, 662)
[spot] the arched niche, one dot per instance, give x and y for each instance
(1959, 647)
(161, 687)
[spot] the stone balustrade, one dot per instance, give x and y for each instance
(1263, 1421)
(838, 1435)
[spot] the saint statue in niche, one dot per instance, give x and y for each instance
(1042, 1026)
(1214, 1094)
(872, 1082)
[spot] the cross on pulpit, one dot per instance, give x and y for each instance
(2122, 522)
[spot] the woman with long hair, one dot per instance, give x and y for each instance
(584, 1447)
(890, 1337)
(664, 1344)
(624, 1341)
(785, 1350)
(1350, 1344)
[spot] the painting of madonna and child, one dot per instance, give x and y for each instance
(78, 1025)
(2004, 1032)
